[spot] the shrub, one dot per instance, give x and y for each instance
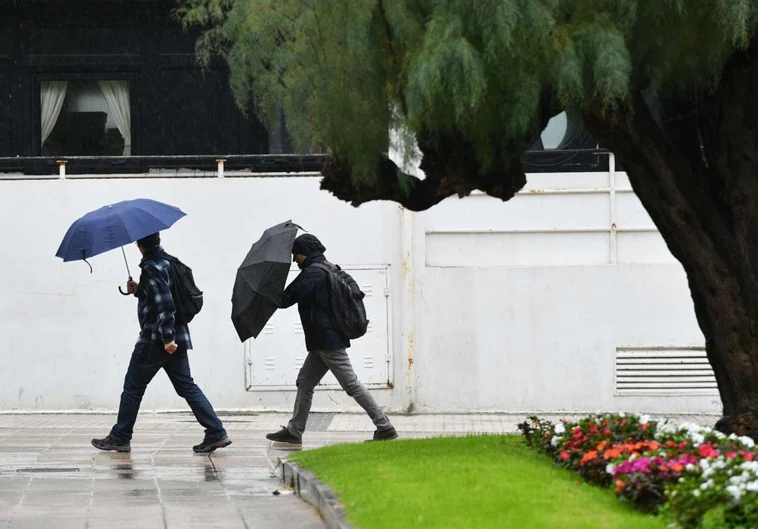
(703, 478)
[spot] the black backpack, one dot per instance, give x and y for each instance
(188, 299)
(345, 303)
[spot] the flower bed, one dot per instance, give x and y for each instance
(695, 476)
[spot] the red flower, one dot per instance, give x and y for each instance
(749, 456)
(707, 450)
(619, 486)
(731, 455)
(565, 456)
(589, 456)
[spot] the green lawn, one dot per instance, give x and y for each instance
(470, 482)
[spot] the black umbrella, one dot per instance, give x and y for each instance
(261, 278)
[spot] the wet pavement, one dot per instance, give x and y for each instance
(51, 477)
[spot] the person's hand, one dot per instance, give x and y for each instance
(131, 286)
(170, 347)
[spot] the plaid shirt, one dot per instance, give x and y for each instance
(155, 309)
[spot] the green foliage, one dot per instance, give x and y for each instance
(346, 71)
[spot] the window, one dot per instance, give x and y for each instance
(553, 135)
(85, 118)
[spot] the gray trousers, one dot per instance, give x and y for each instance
(314, 368)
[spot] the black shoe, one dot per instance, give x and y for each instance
(385, 435)
(284, 436)
(109, 443)
(210, 444)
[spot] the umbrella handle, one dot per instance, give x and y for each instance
(122, 292)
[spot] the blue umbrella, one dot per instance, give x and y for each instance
(115, 226)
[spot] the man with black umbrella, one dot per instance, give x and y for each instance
(327, 348)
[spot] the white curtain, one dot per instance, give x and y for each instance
(117, 96)
(51, 95)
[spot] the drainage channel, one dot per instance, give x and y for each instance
(46, 470)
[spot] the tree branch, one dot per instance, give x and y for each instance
(451, 168)
(735, 148)
(391, 184)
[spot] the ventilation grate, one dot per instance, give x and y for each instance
(663, 371)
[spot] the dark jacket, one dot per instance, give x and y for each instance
(310, 291)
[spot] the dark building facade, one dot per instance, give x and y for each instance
(119, 78)
(112, 78)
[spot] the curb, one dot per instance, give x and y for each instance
(311, 490)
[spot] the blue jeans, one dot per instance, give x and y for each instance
(146, 361)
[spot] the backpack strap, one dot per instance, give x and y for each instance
(322, 266)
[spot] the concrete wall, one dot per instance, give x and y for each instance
(495, 307)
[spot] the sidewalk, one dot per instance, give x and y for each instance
(51, 477)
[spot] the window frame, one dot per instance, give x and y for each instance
(131, 77)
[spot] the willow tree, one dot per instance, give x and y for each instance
(670, 86)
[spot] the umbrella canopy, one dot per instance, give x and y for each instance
(261, 278)
(114, 226)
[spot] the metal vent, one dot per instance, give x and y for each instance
(663, 371)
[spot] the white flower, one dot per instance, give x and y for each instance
(752, 486)
(644, 419)
(559, 428)
(555, 441)
(708, 484)
(696, 493)
(735, 491)
(610, 468)
(746, 441)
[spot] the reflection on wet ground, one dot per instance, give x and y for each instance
(51, 477)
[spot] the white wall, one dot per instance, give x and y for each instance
(67, 334)
(495, 307)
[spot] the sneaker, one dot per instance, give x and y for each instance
(210, 444)
(385, 435)
(284, 436)
(109, 443)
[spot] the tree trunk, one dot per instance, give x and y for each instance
(703, 197)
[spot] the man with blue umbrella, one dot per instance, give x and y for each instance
(164, 337)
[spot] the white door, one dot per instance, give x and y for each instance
(275, 357)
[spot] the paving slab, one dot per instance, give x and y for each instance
(51, 477)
